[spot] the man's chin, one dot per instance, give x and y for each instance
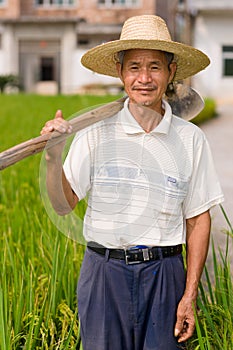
(145, 102)
(141, 100)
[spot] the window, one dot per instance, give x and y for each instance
(227, 54)
(110, 3)
(47, 3)
(46, 69)
(83, 40)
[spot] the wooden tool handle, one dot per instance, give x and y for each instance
(37, 144)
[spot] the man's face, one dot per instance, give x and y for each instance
(145, 75)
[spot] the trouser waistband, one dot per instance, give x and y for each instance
(137, 254)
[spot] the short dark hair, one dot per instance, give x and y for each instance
(120, 56)
(169, 57)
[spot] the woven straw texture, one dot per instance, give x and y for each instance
(145, 32)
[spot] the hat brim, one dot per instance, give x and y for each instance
(102, 59)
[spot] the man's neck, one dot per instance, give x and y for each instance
(146, 117)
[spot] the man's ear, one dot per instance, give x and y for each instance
(119, 70)
(172, 68)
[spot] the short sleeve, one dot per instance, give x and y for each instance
(204, 189)
(77, 165)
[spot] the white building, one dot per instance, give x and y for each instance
(42, 41)
(212, 23)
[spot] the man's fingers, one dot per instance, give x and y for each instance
(57, 124)
(60, 124)
(186, 333)
(185, 322)
(183, 331)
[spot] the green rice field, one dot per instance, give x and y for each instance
(40, 265)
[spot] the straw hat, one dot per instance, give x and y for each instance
(145, 32)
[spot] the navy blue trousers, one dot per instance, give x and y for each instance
(129, 307)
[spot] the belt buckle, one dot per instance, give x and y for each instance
(145, 254)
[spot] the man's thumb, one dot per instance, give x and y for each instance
(59, 114)
(178, 327)
(176, 332)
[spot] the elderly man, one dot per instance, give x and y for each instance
(150, 181)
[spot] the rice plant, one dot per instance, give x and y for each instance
(214, 319)
(39, 265)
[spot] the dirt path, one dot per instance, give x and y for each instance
(219, 132)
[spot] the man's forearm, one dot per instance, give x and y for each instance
(198, 233)
(59, 190)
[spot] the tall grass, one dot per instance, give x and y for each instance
(214, 320)
(39, 272)
(40, 266)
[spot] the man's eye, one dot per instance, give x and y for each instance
(154, 67)
(134, 67)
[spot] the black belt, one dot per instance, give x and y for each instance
(137, 254)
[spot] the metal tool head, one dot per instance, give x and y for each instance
(184, 100)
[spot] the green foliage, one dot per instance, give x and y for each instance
(39, 265)
(39, 273)
(207, 113)
(214, 321)
(8, 80)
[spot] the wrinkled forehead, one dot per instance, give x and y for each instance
(133, 53)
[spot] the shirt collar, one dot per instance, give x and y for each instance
(131, 126)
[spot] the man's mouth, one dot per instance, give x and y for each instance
(145, 89)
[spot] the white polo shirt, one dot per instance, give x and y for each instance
(141, 186)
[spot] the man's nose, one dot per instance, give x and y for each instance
(144, 76)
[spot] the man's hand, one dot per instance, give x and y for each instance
(185, 323)
(57, 124)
